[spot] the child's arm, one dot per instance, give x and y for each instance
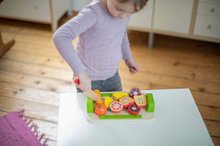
(127, 56)
(65, 34)
(63, 41)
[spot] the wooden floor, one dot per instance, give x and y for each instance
(32, 74)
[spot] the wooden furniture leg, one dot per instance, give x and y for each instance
(151, 40)
(4, 47)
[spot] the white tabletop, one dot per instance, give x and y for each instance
(177, 122)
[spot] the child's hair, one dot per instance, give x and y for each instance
(138, 4)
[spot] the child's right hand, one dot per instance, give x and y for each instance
(85, 82)
(131, 64)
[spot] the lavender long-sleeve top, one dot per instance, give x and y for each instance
(103, 42)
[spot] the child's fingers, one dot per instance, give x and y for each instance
(85, 86)
(132, 70)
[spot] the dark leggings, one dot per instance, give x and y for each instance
(111, 84)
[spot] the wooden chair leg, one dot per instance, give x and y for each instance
(4, 47)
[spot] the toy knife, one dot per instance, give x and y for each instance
(89, 93)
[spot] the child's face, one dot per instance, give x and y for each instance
(120, 10)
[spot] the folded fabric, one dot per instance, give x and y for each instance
(17, 130)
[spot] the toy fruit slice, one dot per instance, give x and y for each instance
(108, 101)
(134, 92)
(140, 100)
(100, 109)
(97, 92)
(126, 101)
(118, 95)
(134, 109)
(116, 106)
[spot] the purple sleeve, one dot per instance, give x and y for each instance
(65, 34)
(126, 52)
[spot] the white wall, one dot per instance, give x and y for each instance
(79, 4)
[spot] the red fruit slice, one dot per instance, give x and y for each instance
(134, 91)
(134, 109)
(116, 106)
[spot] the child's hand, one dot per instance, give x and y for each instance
(133, 67)
(84, 82)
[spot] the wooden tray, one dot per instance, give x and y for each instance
(145, 113)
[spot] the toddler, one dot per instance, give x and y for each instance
(103, 42)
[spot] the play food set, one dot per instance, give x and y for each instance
(123, 105)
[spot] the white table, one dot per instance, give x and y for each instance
(177, 122)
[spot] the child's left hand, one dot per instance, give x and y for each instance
(133, 67)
